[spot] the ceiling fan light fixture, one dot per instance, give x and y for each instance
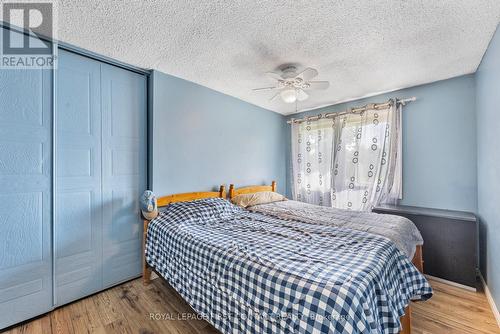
(292, 86)
(288, 95)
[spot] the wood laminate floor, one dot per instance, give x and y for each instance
(134, 308)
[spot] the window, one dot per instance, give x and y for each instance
(352, 161)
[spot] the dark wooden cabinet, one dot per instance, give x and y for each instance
(450, 241)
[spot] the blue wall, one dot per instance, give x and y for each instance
(203, 138)
(488, 163)
(439, 147)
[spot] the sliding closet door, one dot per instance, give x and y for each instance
(78, 217)
(124, 171)
(25, 194)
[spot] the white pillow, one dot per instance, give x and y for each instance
(261, 197)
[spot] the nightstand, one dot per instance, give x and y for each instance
(450, 241)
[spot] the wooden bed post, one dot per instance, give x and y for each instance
(222, 191)
(418, 259)
(406, 321)
(146, 270)
(273, 186)
(231, 191)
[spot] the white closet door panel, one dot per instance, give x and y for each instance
(25, 194)
(124, 171)
(78, 218)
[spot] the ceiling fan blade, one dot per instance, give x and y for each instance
(307, 74)
(301, 95)
(318, 85)
(274, 75)
(274, 96)
(264, 88)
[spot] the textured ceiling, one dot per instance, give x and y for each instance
(362, 47)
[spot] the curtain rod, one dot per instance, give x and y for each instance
(352, 110)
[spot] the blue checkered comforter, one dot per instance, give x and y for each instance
(252, 273)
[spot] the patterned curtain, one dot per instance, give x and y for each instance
(312, 148)
(367, 165)
(352, 161)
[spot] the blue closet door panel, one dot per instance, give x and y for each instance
(78, 216)
(25, 194)
(124, 171)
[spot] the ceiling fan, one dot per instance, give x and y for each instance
(292, 86)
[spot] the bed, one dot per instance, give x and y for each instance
(245, 271)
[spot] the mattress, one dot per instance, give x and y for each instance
(248, 272)
(400, 230)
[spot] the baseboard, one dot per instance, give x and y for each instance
(457, 285)
(493, 306)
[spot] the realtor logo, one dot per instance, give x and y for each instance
(28, 34)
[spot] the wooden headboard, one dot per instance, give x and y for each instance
(186, 197)
(164, 201)
(250, 190)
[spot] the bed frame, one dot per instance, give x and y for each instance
(164, 201)
(417, 258)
